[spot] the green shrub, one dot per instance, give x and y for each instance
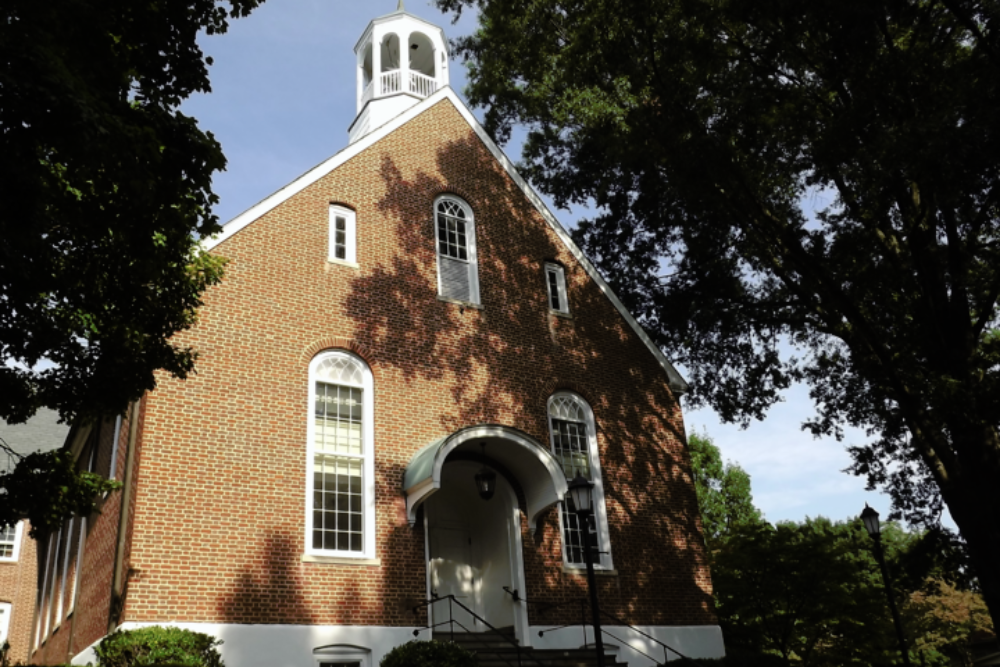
(158, 646)
(429, 654)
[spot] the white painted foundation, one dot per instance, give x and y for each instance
(294, 645)
(693, 641)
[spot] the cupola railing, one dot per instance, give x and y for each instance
(391, 82)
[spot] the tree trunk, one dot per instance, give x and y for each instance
(973, 498)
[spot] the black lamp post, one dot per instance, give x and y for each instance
(579, 491)
(870, 518)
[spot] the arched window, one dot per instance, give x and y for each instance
(458, 272)
(573, 436)
(340, 491)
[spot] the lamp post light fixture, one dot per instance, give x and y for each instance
(870, 518)
(486, 479)
(583, 502)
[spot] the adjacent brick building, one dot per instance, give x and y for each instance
(403, 318)
(18, 555)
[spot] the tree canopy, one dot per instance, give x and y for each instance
(788, 192)
(724, 495)
(812, 593)
(107, 188)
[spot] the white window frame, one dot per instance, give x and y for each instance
(471, 250)
(54, 604)
(45, 606)
(81, 541)
(368, 452)
(342, 653)
(113, 469)
(597, 477)
(16, 551)
(6, 609)
(556, 270)
(350, 236)
(67, 543)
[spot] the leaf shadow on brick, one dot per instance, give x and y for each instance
(265, 587)
(501, 362)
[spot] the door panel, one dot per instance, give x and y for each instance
(453, 573)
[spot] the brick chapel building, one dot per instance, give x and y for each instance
(403, 317)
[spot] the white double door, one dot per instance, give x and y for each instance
(474, 551)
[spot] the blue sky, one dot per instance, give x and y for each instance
(283, 98)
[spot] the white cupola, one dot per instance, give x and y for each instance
(401, 60)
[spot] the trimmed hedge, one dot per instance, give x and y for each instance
(158, 646)
(429, 654)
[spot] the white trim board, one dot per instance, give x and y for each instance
(677, 383)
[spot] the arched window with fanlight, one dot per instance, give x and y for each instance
(455, 232)
(340, 491)
(573, 437)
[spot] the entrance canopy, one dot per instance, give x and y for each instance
(536, 470)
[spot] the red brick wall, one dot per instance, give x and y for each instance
(220, 510)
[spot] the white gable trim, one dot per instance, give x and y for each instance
(676, 382)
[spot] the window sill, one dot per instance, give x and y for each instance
(559, 313)
(464, 304)
(340, 560)
(582, 571)
(341, 262)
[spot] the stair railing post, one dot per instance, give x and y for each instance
(451, 619)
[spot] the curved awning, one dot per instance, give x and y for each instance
(536, 469)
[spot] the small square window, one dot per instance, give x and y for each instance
(10, 542)
(555, 284)
(343, 236)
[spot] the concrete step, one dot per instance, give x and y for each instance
(499, 649)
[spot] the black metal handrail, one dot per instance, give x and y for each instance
(548, 606)
(452, 600)
(666, 647)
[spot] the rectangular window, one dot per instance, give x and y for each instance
(67, 548)
(10, 541)
(570, 446)
(79, 562)
(5, 608)
(452, 238)
(555, 282)
(338, 498)
(343, 236)
(44, 596)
